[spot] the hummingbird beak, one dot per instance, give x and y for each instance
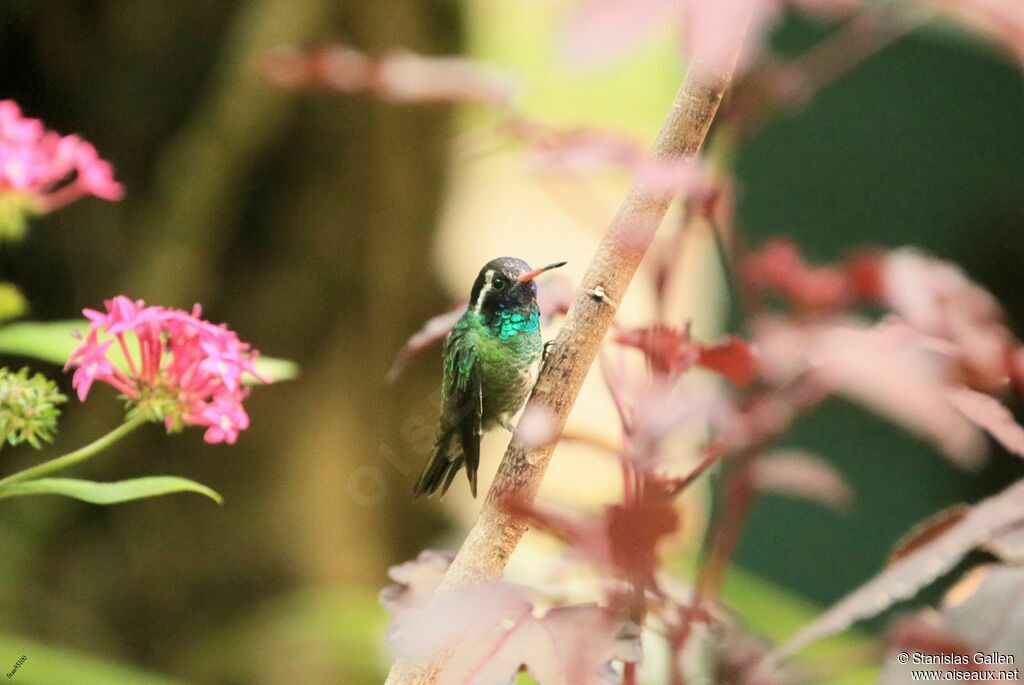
(530, 275)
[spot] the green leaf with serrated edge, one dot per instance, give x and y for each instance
(53, 342)
(108, 493)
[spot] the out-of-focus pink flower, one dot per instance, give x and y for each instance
(171, 365)
(45, 171)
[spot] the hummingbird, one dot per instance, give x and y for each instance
(489, 360)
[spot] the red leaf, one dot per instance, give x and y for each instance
(593, 149)
(979, 629)
(926, 531)
(714, 32)
(778, 267)
(1001, 21)
(601, 30)
(567, 645)
(905, 577)
(661, 408)
(494, 632)
(671, 350)
(890, 368)
(937, 298)
(732, 358)
(666, 348)
(789, 472)
(633, 536)
(399, 76)
(623, 540)
(990, 414)
(986, 608)
(416, 580)
(1009, 546)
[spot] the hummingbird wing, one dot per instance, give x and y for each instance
(458, 436)
(468, 401)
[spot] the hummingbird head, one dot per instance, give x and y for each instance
(505, 283)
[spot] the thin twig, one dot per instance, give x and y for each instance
(490, 543)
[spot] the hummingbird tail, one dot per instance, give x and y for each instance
(442, 467)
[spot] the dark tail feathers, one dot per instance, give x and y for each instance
(443, 466)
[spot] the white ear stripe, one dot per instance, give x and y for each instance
(488, 277)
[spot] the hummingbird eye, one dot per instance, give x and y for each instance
(498, 283)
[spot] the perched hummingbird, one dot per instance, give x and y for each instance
(489, 361)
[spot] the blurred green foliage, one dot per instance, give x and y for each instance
(48, 665)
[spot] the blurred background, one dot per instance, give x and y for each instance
(326, 228)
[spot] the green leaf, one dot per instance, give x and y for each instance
(108, 493)
(49, 342)
(46, 664)
(276, 369)
(53, 342)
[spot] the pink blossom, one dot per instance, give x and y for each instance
(92, 364)
(46, 171)
(177, 368)
(225, 418)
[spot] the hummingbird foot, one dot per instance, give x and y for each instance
(547, 348)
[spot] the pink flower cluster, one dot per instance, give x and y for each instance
(176, 368)
(39, 163)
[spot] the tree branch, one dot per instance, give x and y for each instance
(494, 537)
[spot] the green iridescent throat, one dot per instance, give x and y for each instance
(509, 323)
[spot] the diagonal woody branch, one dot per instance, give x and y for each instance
(494, 537)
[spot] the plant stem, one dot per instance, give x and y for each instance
(72, 458)
(490, 543)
